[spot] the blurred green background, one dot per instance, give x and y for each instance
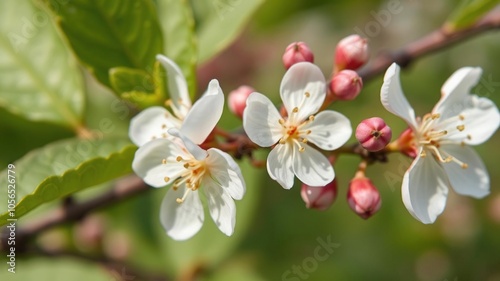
(275, 233)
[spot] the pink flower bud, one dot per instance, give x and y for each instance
(351, 53)
(363, 197)
(373, 134)
(346, 85)
(297, 52)
(319, 197)
(237, 100)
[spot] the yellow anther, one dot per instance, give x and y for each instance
(295, 110)
(186, 165)
(164, 161)
(301, 149)
(163, 126)
(281, 121)
(469, 137)
(304, 140)
(164, 135)
(282, 141)
(423, 154)
(308, 132)
(435, 116)
(460, 127)
(464, 166)
(461, 117)
(168, 102)
(311, 118)
(178, 159)
(166, 179)
(179, 200)
(307, 94)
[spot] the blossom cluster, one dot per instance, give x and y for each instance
(178, 147)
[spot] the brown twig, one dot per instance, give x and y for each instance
(428, 44)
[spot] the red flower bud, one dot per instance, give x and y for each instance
(237, 100)
(351, 53)
(297, 52)
(373, 134)
(346, 85)
(319, 197)
(363, 197)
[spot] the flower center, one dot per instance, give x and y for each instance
(191, 176)
(294, 133)
(431, 135)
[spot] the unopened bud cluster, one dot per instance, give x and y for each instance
(350, 54)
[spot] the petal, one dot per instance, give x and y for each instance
(204, 115)
(148, 162)
(425, 188)
(196, 151)
(181, 221)
(261, 120)
(329, 130)
(226, 173)
(280, 165)
(151, 123)
(480, 119)
(177, 85)
(302, 78)
(393, 99)
(221, 206)
(471, 181)
(455, 92)
(312, 167)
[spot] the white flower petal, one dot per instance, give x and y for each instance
(425, 188)
(261, 120)
(280, 165)
(472, 181)
(481, 120)
(302, 78)
(177, 85)
(149, 123)
(148, 162)
(455, 93)
(226, 172)
(221, 206)
(311, 167)
(393, 99)
(204, 115)
(196, 151)
(181, 221)
(329, 130)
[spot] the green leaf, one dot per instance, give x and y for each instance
(210, 246)
(224, 20)
(62, 168)
(40, 79)
(468, 13)
(140, 87)
(177, 22)
(110, 33)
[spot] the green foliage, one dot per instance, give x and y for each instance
(222, 22)
(62, 168)
(177, 23)
(106, 34)
(138, 86)
(58, 270)
(40, 80)
(469, 12)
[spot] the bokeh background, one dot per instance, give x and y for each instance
(275, 233)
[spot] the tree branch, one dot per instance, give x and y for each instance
(428, 44)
